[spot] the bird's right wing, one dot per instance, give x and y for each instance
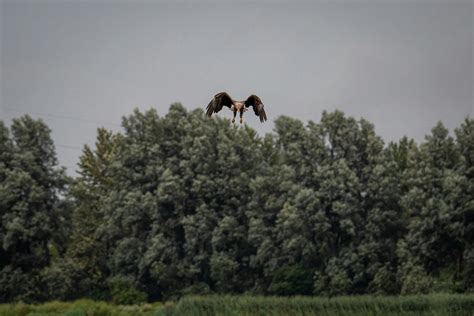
(216, 104)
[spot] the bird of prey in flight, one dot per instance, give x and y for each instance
(223, 99)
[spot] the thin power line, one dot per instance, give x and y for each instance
(61, 117)
(68, 147)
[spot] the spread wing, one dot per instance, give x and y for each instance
(216, 104)
(257, 105)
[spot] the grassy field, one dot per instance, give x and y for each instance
(440, 304)
(79, 308)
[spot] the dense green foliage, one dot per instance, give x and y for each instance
(183, 204)
(33, 219)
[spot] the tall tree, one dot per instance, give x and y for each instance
(433, 242)
(464, 199)
(29, 204)
(86, 255)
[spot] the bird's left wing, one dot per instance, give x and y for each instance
(258, 108)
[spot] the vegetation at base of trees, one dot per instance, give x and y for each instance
(292, 280)
(187, 205)
(422, 305)
(81, 308)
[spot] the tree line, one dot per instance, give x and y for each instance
(183, 204)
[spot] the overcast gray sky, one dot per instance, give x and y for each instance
(403, 65)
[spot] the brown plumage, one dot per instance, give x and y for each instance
(223, 99)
